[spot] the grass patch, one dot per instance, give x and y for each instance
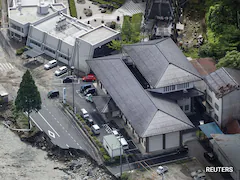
(72, 8)
(192, 52)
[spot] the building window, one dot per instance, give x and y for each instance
(215, 117)
(16, 27)
(186, 107)
(49, 50)
(216, 106)
(173, 87)
(209, 98)
(35, 43)
(63, 56)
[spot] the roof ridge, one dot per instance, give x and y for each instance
(145, 43)
(164, 111)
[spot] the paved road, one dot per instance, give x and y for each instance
(59, 127)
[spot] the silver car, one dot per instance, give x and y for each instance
(61, 70)
(51, 64)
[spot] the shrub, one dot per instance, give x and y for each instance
(103, 151)
(99, 144)
(106, 158)
(72, 8)
(87, 128)
(125, 176)
(20, 51)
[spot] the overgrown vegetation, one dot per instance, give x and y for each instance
(223, 32)
(130, 32)
(20, 51)
(231, 60)
(72, 8)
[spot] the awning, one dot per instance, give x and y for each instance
(210, 128)
(104, 104)
(33, 53)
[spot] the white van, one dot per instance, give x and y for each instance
(50, 64)
(123, 143)
(95, 129)
(84, 113)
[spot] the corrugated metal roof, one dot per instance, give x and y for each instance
(221, 81)
(153, 58)
(210, 128)
(136, 104)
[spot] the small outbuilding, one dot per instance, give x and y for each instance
(112, 145)
(3, 95)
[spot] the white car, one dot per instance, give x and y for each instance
(200, 176)
(195, 173)
(51, 64)
(162, 169)
(61, 70)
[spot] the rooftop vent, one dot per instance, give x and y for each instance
(61, 24)
(43, 8)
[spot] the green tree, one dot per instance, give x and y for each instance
(130, 32)
(231, 60)
(28, 97)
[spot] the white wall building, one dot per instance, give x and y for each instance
(223, 95)
(49, 30)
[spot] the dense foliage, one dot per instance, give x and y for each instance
(130, 32)
(231, 60)
(223, 32)
(28, 97)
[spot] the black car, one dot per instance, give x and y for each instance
(53, 94)
(68, 79)
(209, 156)
(90, 91)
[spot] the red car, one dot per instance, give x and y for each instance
(89, 78)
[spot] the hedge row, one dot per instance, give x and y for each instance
(72, 8)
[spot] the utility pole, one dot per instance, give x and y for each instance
(72, 69)
(68, 61)
(120, 157)
(176, 14)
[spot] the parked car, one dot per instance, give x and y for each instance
(209, 156)
(89, 122)
(84, 113)
(90, 91)
(200, 176)
(61, 70)
(84, 87)
(89, 98)
(195, 173)
(51, 64)
(69, 79)
(162, 169)
(123, 142)
(89, 78)
(53, 94)
(95, 129)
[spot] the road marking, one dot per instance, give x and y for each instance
(50, 112)
(74, 140)
(63, 128)
(48, 124)
(67, 145)
(36, 123)
(66, 131)
(77, 144)
(60, 124)
(71, 137)
(68, 134)
(51, 134)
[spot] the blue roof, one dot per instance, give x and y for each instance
(210, 128)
